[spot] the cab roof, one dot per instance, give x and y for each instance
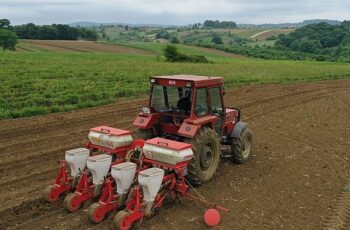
(197, 80)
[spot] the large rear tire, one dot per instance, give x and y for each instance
(206, 157)
(144, 134)
(242, 146)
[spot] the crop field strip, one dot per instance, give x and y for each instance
(43, 86)
(76, 46)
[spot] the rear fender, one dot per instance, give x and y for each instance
(188, 130)
(190, 127)
(237, 129)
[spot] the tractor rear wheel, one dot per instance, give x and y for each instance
(242, 146)
(119, 220)
(144, 134)
(206, 156)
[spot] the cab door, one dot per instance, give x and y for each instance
(217, 109)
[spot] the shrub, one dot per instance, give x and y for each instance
(217, 40)
(172, 55)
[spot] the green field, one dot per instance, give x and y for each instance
(35, 83)
(157, 49)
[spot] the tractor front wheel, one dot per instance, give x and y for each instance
(206, 156)
(119, 221)
(242, 146)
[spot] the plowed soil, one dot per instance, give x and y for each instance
(295, 179)
(77, 46)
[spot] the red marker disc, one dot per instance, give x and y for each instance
(212, 217)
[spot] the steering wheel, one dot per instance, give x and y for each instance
(179, 110)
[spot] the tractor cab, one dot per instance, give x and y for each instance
(179, 105)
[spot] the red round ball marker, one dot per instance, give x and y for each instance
(212, 217)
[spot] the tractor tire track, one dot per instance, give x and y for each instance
(339, 219)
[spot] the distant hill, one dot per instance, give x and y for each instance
(96, 24)
(249, 26)
(289, 25)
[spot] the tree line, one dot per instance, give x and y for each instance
(219, 24)
(54, 32)
(321, 39)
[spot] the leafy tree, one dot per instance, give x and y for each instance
(171, 53)
(8, 39)
(174, 40)
(218, 24)
(163, 34)
(217, 40)
(5, 24)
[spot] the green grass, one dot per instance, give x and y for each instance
(157, 49)
(35, 83)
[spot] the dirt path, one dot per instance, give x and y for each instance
(295, 179)
(260, 33)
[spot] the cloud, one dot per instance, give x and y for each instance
(170, 11)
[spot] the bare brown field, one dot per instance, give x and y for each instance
(77, 46)
(295, 178)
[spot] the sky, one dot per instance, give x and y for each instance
(172, 12)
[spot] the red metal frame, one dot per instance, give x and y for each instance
(84, 190)
(62, 183)
(176, 186)
(109, 200)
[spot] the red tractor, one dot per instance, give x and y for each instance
(179, 137)
(191, 109)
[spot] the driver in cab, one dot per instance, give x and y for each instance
(185, 100)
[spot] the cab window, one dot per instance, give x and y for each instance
(201, 106)
(215, 101)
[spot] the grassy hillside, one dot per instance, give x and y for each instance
(43, 82)
(185, 35)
